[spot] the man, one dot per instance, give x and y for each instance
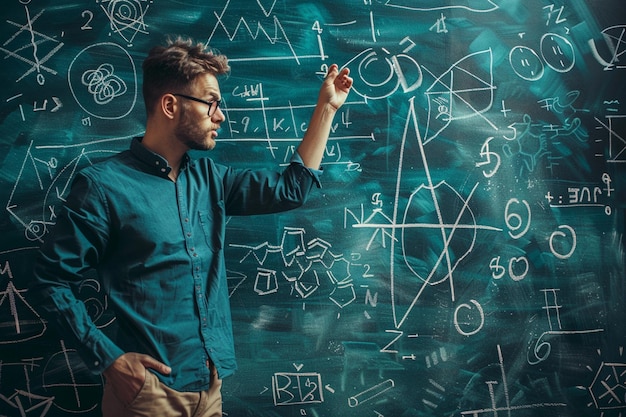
(151, 221)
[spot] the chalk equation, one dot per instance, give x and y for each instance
(464, 254)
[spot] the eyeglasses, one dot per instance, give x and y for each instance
(213, 105)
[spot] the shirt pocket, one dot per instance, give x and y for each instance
(213, 226)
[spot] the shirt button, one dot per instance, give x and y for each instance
(189, 234)
(96, 363)
(186, 220)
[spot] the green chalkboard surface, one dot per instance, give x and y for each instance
(465, 254)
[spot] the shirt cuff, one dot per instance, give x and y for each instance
(100, 355)
(315, 173)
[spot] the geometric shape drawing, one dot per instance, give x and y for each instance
(306, 267)
(45, 170)
(609, 57)
(459, 93)
(526, 63)
(608, 388)
(616, 128)
(26, 323)
(234, 280)
(103, 81)
(40, 47)
(433, 250)
(68, 380)
(438, 229)
(126, 17)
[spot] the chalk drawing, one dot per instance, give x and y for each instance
(28, 39)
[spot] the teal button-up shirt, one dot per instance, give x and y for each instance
(158, 247)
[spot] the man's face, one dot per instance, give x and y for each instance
(196, 128)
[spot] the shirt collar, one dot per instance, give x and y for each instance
(155, 162)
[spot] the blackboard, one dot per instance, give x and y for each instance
(465, 255)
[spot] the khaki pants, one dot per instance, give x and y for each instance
(158, 400)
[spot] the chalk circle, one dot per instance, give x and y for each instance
(35, 230)
(68, 380)
(526, 63)
(475, 310)
(124, 11)
(375, 77)
(558, 52)
(559, 240)
(438, 231)
(103, 81)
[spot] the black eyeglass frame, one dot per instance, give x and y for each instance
(213, 104)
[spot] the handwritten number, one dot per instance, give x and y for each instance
(317, 27)
(88, 14)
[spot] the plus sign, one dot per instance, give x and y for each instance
(504, 109)
(549, 197)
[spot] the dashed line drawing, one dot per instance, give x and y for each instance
(126, 17)
(34, 43)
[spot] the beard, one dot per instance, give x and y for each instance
(192, 135)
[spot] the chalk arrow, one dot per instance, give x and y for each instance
(58, 103)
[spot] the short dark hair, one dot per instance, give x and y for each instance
(171, 68)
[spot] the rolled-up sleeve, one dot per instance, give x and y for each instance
(315, 173)
(248, 192)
